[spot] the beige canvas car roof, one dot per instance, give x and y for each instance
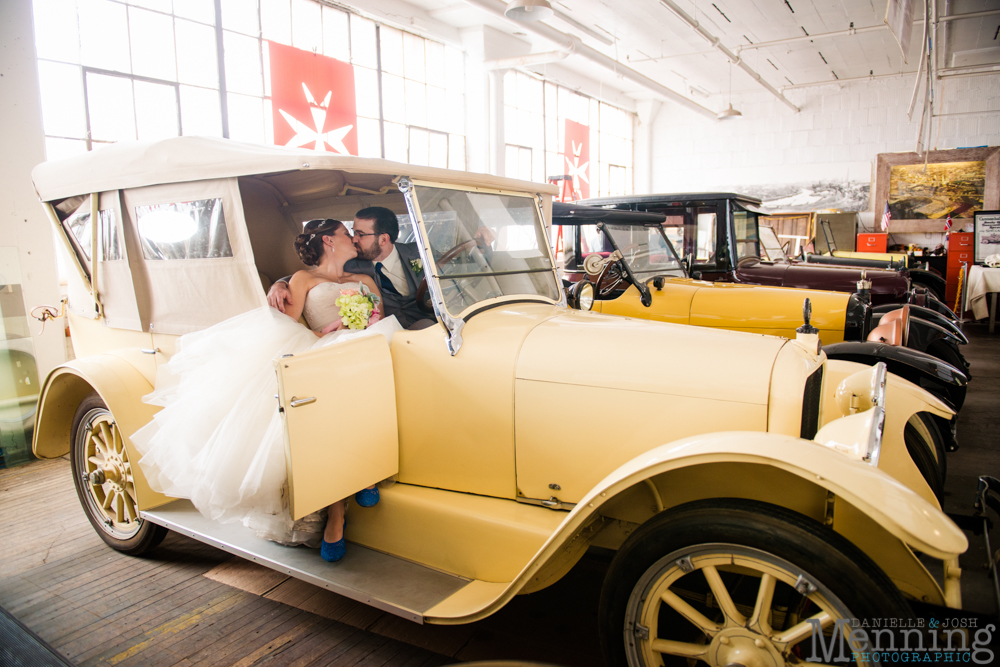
(184, 159)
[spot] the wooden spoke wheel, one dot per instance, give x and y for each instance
(737, 582)
(104, 480)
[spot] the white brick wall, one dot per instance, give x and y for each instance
(836, 135)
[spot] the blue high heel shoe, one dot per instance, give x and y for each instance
(331, 552)
(367, 497)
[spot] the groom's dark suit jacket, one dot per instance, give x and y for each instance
(403, 307)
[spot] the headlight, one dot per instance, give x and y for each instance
(581, 295)
(859, 435)
(585, 295)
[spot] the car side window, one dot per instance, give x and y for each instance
(183, 230)
(78, 224)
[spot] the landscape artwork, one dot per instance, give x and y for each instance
(934, 193)
(807, 197)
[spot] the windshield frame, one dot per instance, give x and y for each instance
(783, 258)
(454, 322)
(642, 286)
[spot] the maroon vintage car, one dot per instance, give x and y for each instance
(718, 236)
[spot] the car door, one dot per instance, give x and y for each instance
(338, 406)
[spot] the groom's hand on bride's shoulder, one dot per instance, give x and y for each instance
(279, 296)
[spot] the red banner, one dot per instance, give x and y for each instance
(313, 101)
(577, 154)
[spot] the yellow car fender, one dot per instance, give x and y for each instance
(903, 399)
(120, 386)
(880, 499)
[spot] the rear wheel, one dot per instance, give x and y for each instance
(731, 581)
(102, 473)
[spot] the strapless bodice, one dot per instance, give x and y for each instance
(320, 308)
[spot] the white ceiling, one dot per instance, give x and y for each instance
(652, 39)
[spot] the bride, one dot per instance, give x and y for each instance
(219, 439)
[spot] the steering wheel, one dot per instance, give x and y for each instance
(422, 301)
(611, 277)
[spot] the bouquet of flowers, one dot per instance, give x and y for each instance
(358, 309)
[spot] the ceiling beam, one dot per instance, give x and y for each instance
(857, 31)
(733, 58)
(571, 42)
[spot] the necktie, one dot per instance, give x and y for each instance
(383, 280)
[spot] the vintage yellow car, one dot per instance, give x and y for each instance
(746, 514)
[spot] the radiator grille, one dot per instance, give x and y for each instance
(810, 404)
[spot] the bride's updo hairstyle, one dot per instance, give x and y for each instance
(309, 244)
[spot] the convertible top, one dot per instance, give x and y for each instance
(136, 164)
(571, 213)
(678, 199)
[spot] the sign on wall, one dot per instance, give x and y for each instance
(312, 97)
(576, 151)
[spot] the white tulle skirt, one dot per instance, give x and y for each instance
(219, 439)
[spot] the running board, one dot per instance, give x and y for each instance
(382, 581)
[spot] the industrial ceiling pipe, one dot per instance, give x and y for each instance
(567, 42)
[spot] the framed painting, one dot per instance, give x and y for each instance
(987, 225)
(923, 190)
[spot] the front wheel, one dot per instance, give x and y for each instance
(729, 581)
(102, 473)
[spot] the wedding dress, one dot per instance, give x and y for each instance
(219, 439)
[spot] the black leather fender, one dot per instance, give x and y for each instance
(921, 297)
(927, 315)
(928, 372)
(929, 279)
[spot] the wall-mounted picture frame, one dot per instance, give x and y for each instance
(958, 182)
(987, 228)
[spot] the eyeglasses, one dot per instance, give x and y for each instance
(364, 234)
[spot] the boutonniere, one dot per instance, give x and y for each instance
(417, 266)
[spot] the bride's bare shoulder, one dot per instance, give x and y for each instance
(305, 279)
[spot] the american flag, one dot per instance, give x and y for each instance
(947, 223)
(886, 216)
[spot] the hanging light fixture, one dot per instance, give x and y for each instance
(528, 10)
(730, 112)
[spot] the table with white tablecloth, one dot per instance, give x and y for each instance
(982, 281)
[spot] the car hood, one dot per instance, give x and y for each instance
(814, 276)
(623, 353)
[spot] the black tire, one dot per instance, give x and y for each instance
(836, 575)
(924, 455)
(119, 526)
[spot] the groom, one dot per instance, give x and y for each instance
(396, 267)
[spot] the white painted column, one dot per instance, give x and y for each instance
(498, 142)
(642, 146)
(27, 251)
(477, 103)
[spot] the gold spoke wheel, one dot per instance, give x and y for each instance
(730, 582)
(105, 481)
(733, 590)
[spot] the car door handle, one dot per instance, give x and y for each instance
(298, 402)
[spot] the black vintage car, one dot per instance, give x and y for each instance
(718, 236)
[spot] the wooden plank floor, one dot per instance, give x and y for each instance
(186, 603)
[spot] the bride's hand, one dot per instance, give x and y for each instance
(336, 325)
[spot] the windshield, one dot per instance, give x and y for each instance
(646, 250)
(745, 228)
(486, 245)
(771, 246)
